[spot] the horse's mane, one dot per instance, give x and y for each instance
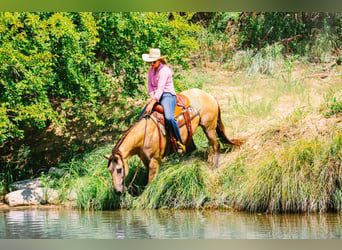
(124, 135)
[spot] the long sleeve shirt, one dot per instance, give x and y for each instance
(160, 81)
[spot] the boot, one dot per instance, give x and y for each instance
(180, 148)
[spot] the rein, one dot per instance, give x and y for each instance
(136, 171)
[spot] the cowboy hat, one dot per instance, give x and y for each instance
(154, 55)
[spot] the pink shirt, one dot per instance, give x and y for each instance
(160, 82)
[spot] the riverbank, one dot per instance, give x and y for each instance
(290, 161)
(6, 207)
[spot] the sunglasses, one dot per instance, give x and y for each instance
(152, 63)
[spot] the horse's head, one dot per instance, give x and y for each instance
(119, 170)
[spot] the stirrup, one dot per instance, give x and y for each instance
(180, 148)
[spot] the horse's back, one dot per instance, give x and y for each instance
(204, 100)
(208, 105)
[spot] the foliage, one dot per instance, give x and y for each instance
(318, 31)
(48, 65)
(124, 37)
(334, 107)
(59, 68)
(228, 32)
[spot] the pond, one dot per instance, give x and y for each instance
(165, 224)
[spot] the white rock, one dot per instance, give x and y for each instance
(30, 183)
(56, 171)
(31, 196)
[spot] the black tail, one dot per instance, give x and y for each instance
(220, 130)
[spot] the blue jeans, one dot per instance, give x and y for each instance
(168, 101)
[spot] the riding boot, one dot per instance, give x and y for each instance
(180, 147)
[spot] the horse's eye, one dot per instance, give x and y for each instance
(110, 169)
(118, 171)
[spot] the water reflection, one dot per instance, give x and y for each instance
(160, 224)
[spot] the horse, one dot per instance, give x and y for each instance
(144, 139)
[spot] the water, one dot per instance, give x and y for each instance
(165, 224)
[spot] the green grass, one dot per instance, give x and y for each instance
(177, 186)
(333, 102)
(302, 177)
(88, 179)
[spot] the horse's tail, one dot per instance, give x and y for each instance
(220, 130)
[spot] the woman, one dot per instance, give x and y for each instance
(161, 89)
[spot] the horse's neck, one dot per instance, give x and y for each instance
(134, 140)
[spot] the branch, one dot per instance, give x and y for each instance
(266, 35)
(291, 39)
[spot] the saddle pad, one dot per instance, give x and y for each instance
(191, 106)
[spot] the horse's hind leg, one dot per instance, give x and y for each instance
(210, 132)
(191, 147)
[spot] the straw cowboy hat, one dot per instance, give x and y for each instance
(154, 55)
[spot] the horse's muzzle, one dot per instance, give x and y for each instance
(118, 192)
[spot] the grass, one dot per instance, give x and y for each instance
(302, 177)
(265, 61)
(177, 186)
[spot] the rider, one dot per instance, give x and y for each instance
(161, 89)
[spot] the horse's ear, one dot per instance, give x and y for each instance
(107, 157)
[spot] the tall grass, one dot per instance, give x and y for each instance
(247, 106)
(177, 186)
(333, 102)
(268, 60)
(218, 47)
(88, 181)
(303, 177)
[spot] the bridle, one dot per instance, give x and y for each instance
(116, 151)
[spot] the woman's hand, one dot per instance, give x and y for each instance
(150, 106)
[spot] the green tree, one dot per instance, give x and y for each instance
(48, 64)
(124, 37)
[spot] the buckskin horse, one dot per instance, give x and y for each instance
(147, 139)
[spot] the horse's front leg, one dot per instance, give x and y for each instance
(153, 168)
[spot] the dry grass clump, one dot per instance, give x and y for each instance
(293, 167)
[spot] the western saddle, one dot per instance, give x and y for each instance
(184, 113)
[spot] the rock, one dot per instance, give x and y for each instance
(71, 195)
(70, 204)
(30, 183)
(57, 171)
(32, 196)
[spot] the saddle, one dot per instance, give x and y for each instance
(182, 102)
(184, 113)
